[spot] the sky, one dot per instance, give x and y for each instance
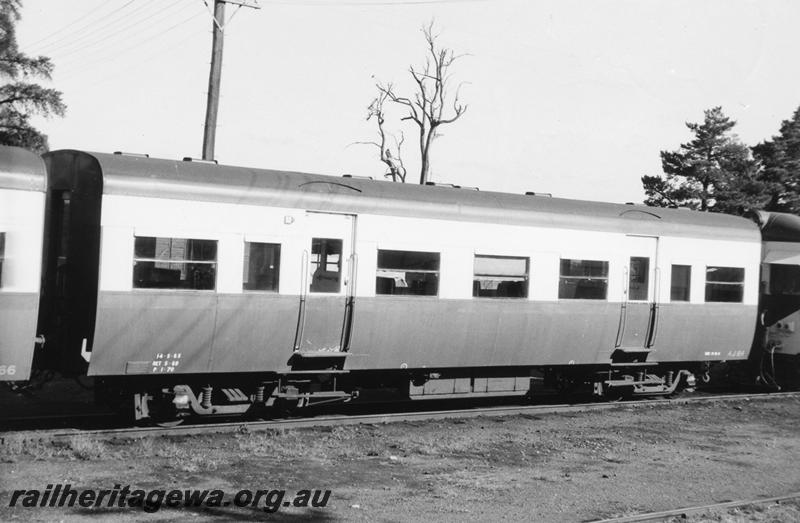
(573, 98)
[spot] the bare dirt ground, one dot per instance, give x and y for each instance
(575, 467)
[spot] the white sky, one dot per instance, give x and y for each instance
(575, 98)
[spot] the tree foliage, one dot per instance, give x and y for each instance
(712, 172)
(19, 98)
(780, 167)
(432, 104)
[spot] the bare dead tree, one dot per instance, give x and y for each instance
(433, 103)
(394, 161)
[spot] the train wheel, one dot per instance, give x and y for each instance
(169, 424)
(285, 409)
(156, 409)
(614, 394)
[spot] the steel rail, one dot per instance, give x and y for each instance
(699, 509)
(373, 419)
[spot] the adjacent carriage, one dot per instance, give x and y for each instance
(22, 196)
(776, 351)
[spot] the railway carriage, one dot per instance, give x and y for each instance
(194, 287)
(776, 353)
(22, 195)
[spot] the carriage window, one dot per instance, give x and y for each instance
(500, 277)
(262, 265)
(784, 279)
(638, 278)
(326, 265)
(2, 254)
(724, 284)
(583, 280)
(681, 282)
(174, 263)
(407, 272)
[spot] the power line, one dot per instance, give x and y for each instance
(91, 37)
(111, 34)
(113, 55)
(165, 50)
(79, 19)
(350, 3)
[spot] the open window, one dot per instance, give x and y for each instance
(724, 284)
(174, 263)
(407, 273)
(500, 277)
(583, 280)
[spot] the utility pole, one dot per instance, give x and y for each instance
(215, 74)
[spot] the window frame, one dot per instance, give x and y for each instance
(781, 273)
(630, 282)
(183, 261)
(688, 287)
(526, 276)
(739, 284)
(322, 266)
(245, 266)
(436, 272)
(605, 264)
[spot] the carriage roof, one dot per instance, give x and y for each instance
(202, 181)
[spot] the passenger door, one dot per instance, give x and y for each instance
(639, 311)
(327, 286)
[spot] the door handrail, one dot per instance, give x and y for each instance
(349, 305)
(654, 309)
(301, 315)
(623, 313)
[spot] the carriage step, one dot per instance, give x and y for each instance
(634, 349)
(318, 371)
(317, 361)
(319, 354)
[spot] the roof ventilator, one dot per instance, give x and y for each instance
(135, 155)
(452, 186)
(198, 160)
(542, 194)
(357, 177)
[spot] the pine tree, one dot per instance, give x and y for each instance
(20, 99)
(713, 172)
(780, 167)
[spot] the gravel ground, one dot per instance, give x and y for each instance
(559, 467)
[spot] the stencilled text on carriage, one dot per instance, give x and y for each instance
(166, 362)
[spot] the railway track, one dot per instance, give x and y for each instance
(697, 510)
(374, 418)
